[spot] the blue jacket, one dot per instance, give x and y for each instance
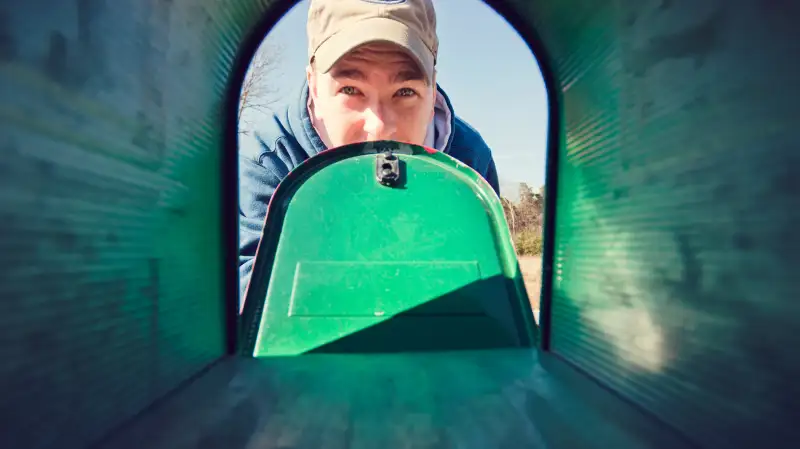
(288, 138)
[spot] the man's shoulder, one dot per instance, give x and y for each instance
(270, 134)
(468, 142)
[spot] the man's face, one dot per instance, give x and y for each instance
(376, 92)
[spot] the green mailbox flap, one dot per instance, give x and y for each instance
(375, 289)
(384, 247)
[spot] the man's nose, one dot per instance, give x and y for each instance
(378, 125)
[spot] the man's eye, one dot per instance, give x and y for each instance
(406, 92)
(349, 90)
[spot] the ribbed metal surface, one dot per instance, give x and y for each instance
(110, 243)
(676, 221)
(676, 243)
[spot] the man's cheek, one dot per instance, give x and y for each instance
(344, 130)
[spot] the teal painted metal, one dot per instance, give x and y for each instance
(112, 250)
(503, 399)
(674, 142)
(676, 250)
(347, 264)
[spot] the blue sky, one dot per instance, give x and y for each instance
(487, 71)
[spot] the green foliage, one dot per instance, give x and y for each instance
(525, 220)
(528, 243)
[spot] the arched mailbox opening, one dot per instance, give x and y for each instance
(261, 57)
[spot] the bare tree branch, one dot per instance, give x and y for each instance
(258, 90)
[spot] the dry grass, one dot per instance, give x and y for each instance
(531, 267)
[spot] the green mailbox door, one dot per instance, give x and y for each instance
(384, 247)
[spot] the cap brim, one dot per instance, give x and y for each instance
(374, 30)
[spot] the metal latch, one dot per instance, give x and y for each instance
(387, 169)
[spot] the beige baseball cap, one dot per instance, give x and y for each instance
(336, 27)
